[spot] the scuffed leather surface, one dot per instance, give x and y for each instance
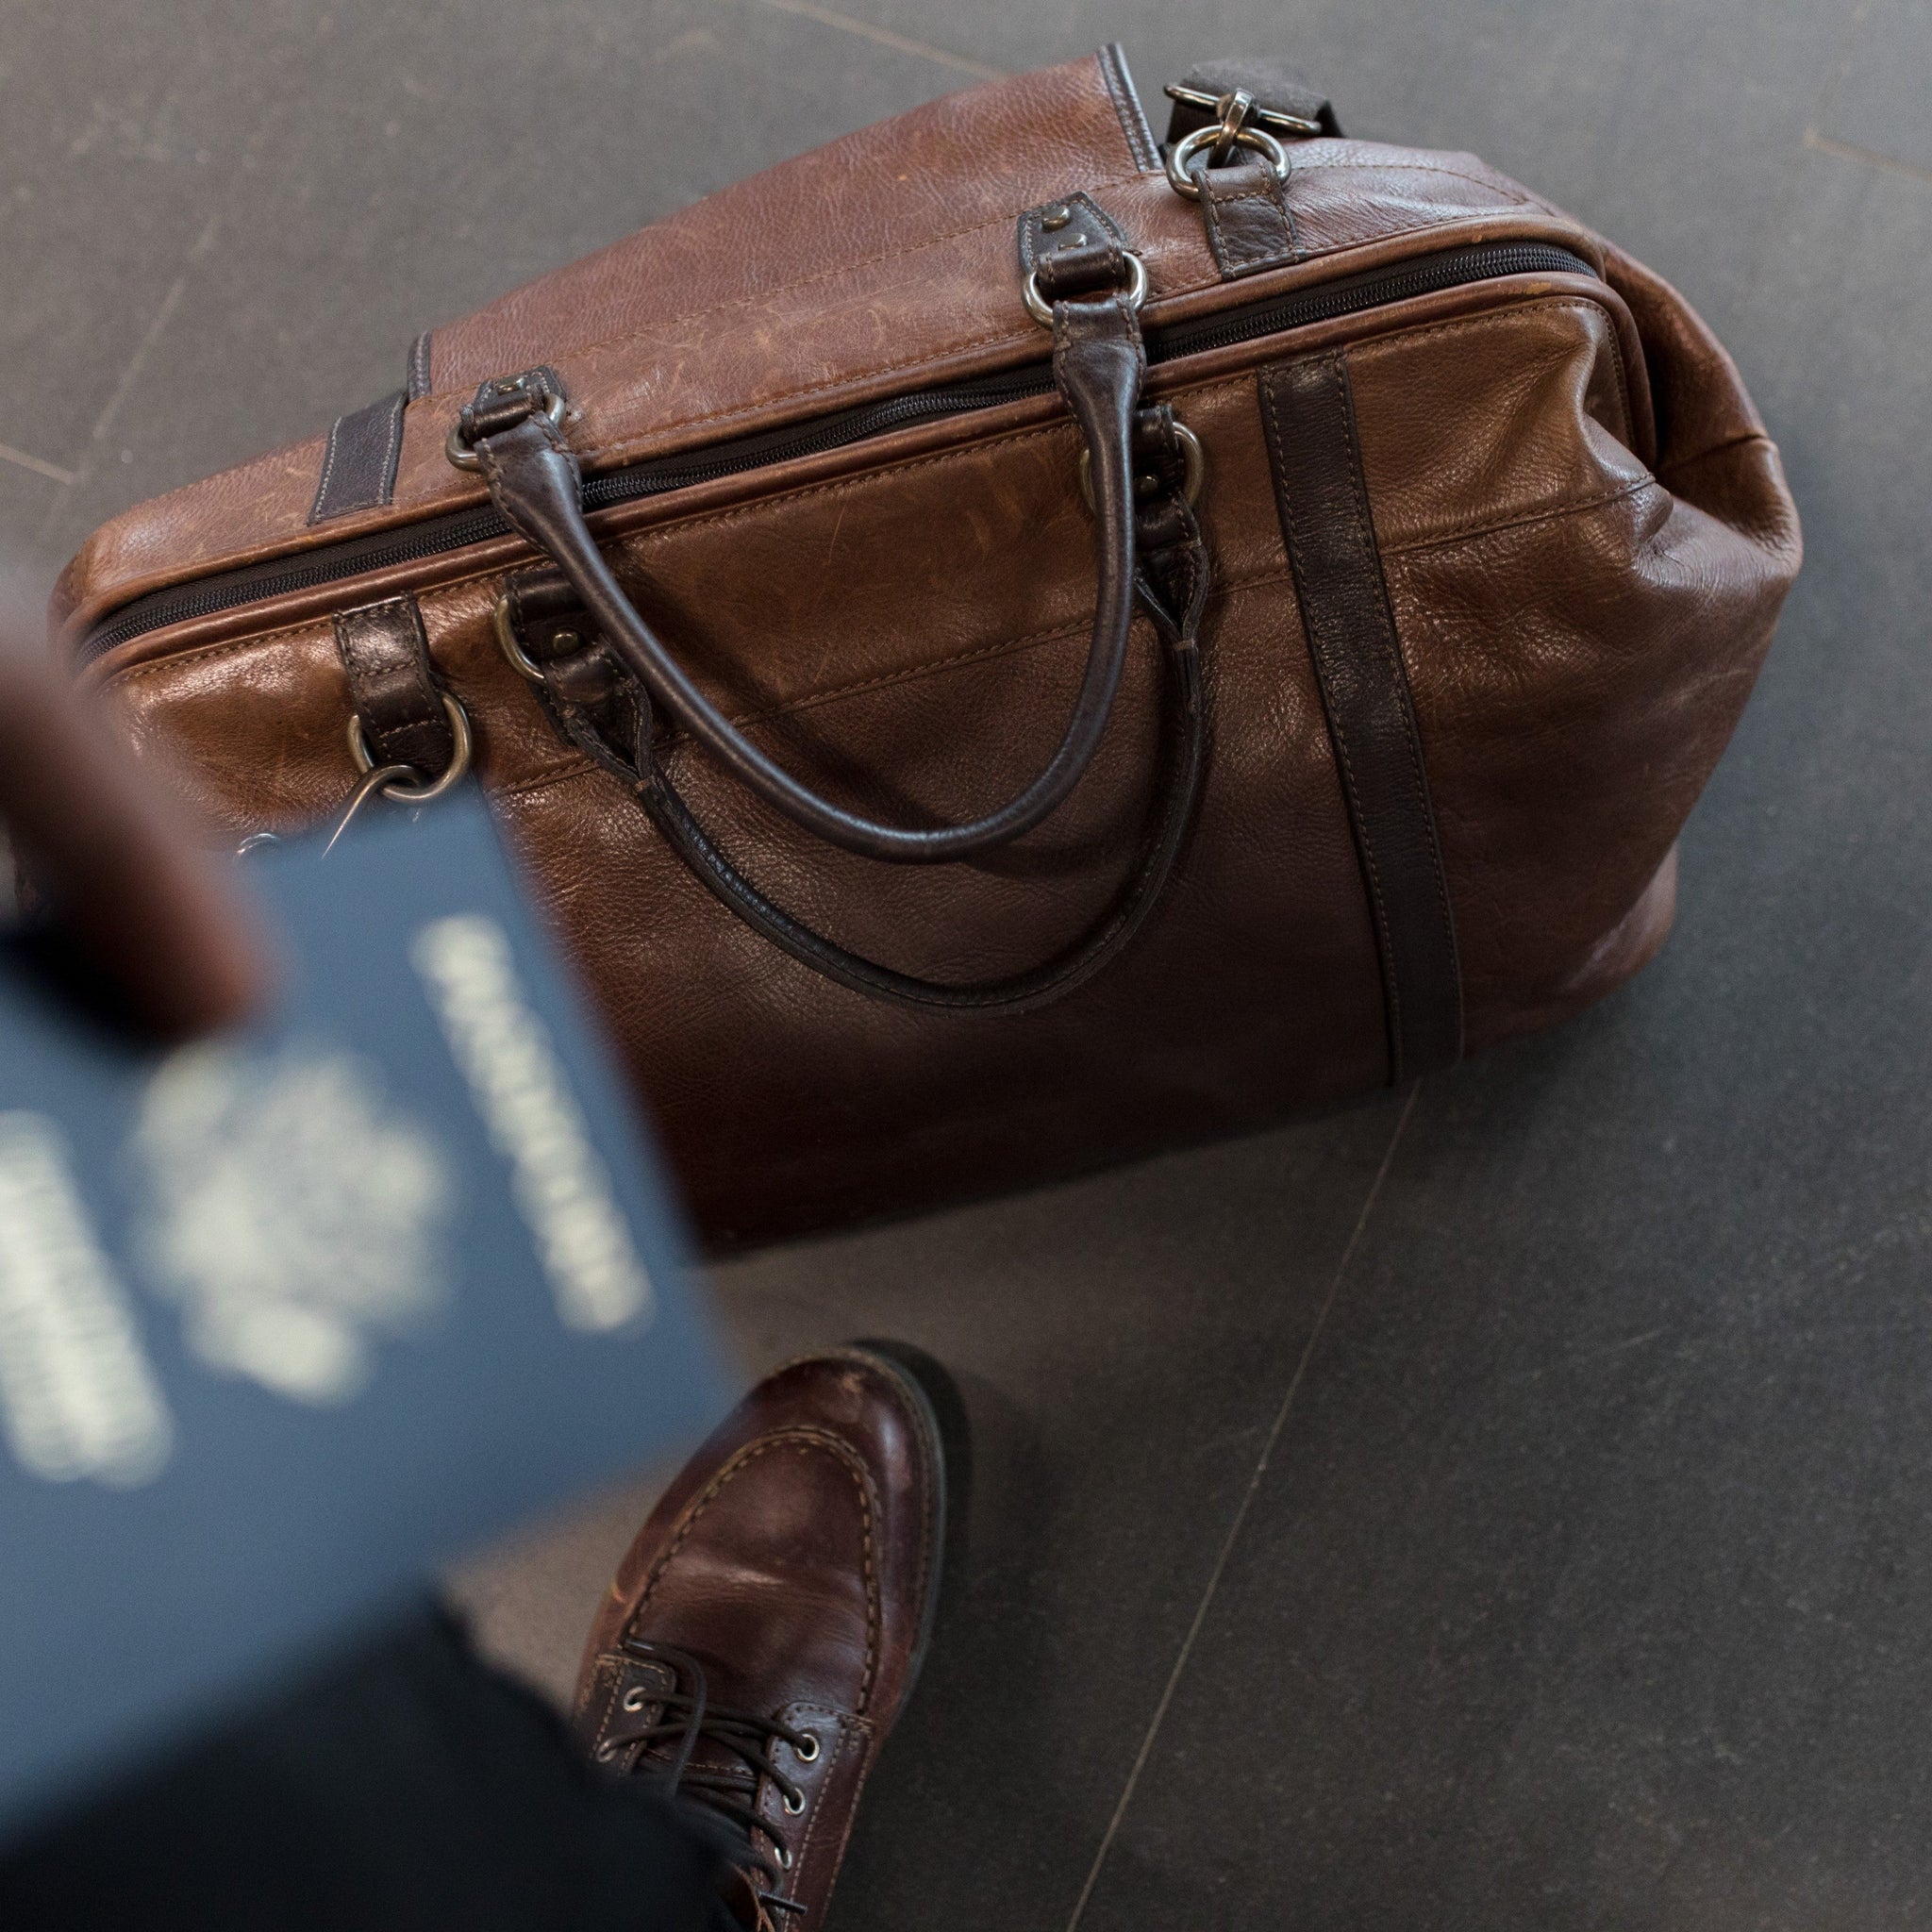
(880, 262)
(1586, 539)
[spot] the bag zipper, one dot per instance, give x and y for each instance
(458, 529)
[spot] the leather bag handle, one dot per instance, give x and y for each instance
(607, 716)
(1098, 361)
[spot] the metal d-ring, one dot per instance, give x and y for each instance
(1193, 467)
(461, 745)
(1180, 156)
(1040, 309)
(457, 447)
(503, 621)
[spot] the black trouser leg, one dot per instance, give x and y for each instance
(409, 1785)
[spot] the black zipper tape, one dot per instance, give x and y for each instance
(457, 531)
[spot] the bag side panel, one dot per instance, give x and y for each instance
(1578, 659)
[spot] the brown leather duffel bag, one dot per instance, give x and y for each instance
(1003, 646)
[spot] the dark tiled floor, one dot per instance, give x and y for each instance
(1503, 1512)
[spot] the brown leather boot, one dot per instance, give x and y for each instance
(767, 1624)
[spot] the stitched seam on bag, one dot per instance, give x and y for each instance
(328, 470)
(209, 654)
(392, 451)
(1554, 513)
(1142, 150)
(1227, 253)
(1337, 740)
(797, 1437)
(577, 766)
(719, 518)
(911, 673)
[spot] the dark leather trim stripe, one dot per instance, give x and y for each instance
(419, 367)
(1308, 412)
(358, 467)
(1126, 104)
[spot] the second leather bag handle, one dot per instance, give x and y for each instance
(512, 433)
(1090, 294)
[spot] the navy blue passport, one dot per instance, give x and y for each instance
(290, 1318)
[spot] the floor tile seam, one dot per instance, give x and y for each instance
(1198, 1622)
(1820, 143)
(38, 466)
(884, 36)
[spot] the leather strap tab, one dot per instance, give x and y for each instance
(504, 401)
(358, 464)
(1249, 225)
(1073, 219)
(391, 686)
(1087, 264)
(1308, 413)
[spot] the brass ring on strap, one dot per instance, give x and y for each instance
(503, 621)
(1193, 473)
(1040, 309)
(461, 746)
(1181, 155)
(459, 451)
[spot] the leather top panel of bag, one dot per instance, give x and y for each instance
(882, 262)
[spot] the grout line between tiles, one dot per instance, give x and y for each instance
(884, 37)
(1865, 157)
(20, 458)
(1240, 1517)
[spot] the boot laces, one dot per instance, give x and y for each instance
(669, 1727)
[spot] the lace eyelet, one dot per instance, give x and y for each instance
(794, 1804)
(807, 1751)
(783, 1856)
(607, 1752)
(634, 1699)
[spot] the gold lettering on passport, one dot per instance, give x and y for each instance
(78, 1395)
(559, 1185)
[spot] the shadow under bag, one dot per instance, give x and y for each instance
(1004, 644)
